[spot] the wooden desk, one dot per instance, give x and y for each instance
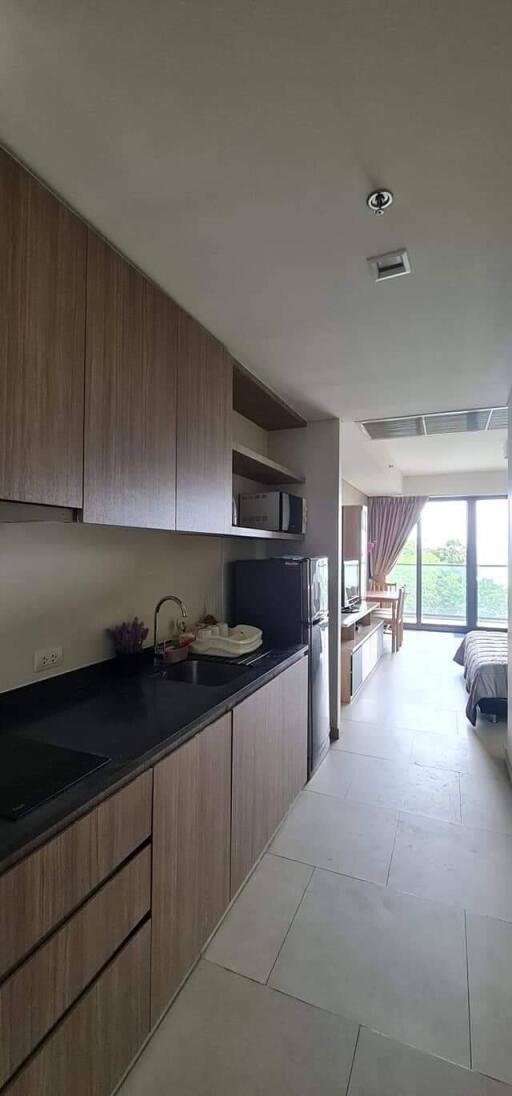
(383, 597)
(362, 644)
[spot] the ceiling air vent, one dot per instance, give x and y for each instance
(449, 422)
(394, 428)
(391, 265)
(498, 419)
(456, 422)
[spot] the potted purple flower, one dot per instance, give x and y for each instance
(128, 639)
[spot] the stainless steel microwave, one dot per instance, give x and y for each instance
(274, 510)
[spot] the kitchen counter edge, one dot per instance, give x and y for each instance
(115, 775)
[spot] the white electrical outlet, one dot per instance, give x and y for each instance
(48, 658)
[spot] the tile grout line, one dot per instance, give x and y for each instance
(287, 933)
(467, 983)
(356, 1044)
(393, 849)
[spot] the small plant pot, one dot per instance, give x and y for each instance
(129, 662)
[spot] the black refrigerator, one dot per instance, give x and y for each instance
(287, 598)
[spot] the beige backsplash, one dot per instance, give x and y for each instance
(65, 584)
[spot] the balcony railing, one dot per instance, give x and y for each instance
(443, 593)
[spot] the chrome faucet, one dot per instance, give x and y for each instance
(168, 597)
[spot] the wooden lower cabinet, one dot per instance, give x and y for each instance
(88, 1052)
(293, 692)
(269, 764)
(113, 928)
(191, 855)
(45, 887)
(41, 990)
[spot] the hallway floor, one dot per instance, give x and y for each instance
(370, 953)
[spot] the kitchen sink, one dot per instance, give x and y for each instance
(195, 672)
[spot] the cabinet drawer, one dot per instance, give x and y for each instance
(93, 1045)
(35, 997)
(43, 889)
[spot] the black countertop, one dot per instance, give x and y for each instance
(134, 721)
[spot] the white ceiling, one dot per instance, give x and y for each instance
(449, 453)
(228, 147)
(378, 467)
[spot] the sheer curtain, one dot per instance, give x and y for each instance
(390, 521)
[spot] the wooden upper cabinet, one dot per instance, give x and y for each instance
(205, 398)
(42, 326)
(130, 409)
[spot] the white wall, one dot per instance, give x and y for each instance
(368, 465)
(509, 732)
(351, 496)
(65, 584)
(249, 433)
(457, 483)
(315, 452)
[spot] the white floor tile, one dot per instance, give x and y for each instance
(463, 751)
(433, 792)
(486, 802)
(348, 838)
(383, 1067)
(401, 786)
(398, 713)
(389, 961)
(249, 938)
(334, 774)
(228, 1036)
(490, 992)
(454, 864)
(492, 734)
(375, 740)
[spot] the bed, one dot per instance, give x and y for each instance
(484, 656)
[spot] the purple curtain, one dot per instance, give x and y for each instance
(390, 521)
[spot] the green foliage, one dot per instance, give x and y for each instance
(444, 586)
(492, 600)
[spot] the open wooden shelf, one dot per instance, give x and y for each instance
(255, 466)
(363, 633)
(259, 404)
(264, 534)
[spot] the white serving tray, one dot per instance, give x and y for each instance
(228, 642)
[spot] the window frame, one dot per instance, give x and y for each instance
(471, 574)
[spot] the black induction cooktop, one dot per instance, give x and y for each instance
(32, 772)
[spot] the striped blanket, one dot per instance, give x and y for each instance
(484, 657)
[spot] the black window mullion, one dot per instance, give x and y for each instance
(418, 575)
(471, 563)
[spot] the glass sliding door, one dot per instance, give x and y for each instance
(443, 562)
(454, 565)
(492, 562)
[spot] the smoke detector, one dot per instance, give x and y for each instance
(379, 200)
(391, 265)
